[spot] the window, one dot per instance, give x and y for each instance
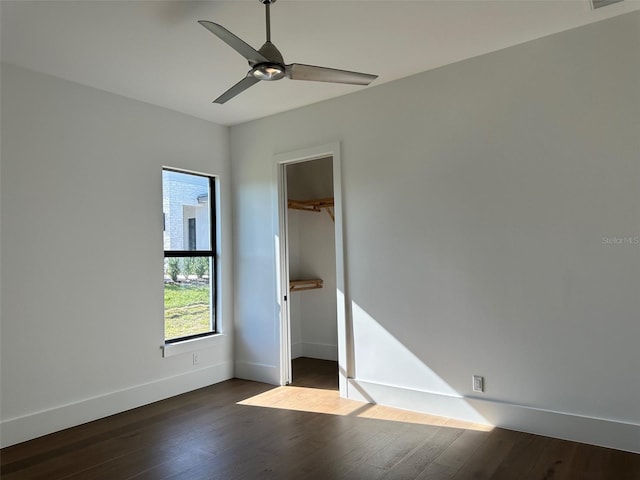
(192, 234)
(188, 204)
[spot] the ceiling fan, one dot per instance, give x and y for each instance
(267, 63)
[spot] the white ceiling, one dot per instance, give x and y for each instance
(155, 51)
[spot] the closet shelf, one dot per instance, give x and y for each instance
(297, 285)
(313, 206)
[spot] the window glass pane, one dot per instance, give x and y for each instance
(187, 296)
(185, 204)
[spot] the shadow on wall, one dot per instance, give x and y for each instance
(396, 366)
(389, 373)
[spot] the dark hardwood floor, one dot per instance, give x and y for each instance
(208, 434)
(314, 373)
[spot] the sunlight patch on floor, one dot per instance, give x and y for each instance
(316, 400)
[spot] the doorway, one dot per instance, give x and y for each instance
(312, 273)
(314, 334)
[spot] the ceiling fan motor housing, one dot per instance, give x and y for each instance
(269, 50)
(272, 70)
(268, 71)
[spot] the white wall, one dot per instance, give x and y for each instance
(82, 252)
(317, 254)
(310, 180)
(314, 332)
(476, 200)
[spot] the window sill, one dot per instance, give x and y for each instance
(188, 346)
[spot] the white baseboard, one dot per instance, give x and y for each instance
(568, 426)
(321, 351)
(596, 431)
(27, 427)
(314, 350)
(258, 372)
(296, 350)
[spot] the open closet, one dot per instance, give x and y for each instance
(312, 273)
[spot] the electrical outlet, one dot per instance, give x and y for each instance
(478, 383)
(196, 358)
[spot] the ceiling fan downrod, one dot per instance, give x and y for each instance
(267, 4)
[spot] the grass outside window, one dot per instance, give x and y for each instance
(186, 309)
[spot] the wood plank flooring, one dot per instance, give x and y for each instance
(247, 430)
(314, 373)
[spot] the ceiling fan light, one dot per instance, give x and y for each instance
(268, 71)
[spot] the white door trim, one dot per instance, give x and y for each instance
(345, 338)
